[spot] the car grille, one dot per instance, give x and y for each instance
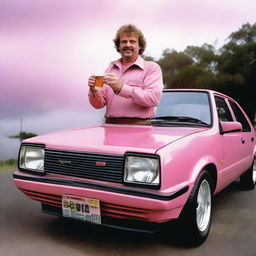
(85, 165)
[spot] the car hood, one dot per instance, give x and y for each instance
(114, 139)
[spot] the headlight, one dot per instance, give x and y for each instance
(142, 170)
(32, 158)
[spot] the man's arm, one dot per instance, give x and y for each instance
(97, 99)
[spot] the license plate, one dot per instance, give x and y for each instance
(85, 209)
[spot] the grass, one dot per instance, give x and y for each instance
(7, 164)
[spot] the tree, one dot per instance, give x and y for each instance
(23, 135)
(204, 56)
(172, 63)
(246, 34)
(193, 68)
(231, 69)
(237, 68)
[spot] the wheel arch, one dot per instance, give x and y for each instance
(211, 168)
(207, 163)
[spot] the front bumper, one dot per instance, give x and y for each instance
(117, 202)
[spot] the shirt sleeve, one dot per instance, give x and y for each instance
(149, 95)
(98, 99)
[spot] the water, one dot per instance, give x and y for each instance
(9, 148)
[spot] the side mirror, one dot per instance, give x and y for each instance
(227, 127)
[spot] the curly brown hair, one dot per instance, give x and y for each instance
(130, 29)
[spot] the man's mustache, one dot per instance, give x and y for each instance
(128, 48)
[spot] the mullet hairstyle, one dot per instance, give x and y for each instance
(131, 30)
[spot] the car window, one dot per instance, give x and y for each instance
(240, 117)
(223, 110)
(185, 104)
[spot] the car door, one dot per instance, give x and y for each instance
(247, 136)
(232, 145)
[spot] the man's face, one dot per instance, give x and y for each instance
(129, 47)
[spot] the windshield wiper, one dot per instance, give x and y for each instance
(187, 119)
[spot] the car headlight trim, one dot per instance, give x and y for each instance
(144, 170)
(32, 158)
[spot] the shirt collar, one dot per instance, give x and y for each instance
(139, 62)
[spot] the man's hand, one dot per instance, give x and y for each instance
(114, 82)
(91, 83)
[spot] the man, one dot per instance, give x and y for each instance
(132, 86)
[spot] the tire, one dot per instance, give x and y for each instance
(248, 179)
(196, 217)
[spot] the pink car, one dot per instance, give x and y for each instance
(140, 177)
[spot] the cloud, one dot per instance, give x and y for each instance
(48, 52)
(48, 14)
(40, 73)
(34, 84)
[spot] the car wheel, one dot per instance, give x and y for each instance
(248, 179)
(196, 217)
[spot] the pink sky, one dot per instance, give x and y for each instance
(50, 47)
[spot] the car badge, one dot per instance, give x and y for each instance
(63, 162)
(101, 163)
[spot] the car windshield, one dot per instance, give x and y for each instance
(183, 108)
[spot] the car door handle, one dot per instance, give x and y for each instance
(242, 140)
(252, 139)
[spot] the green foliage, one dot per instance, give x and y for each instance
(172, 62)
(24, 135)
(230, 69)
(246, 34)
(148, 58)
(8, 163)
(238, 59)
(204, 56)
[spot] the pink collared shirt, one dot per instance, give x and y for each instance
(140, 94)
